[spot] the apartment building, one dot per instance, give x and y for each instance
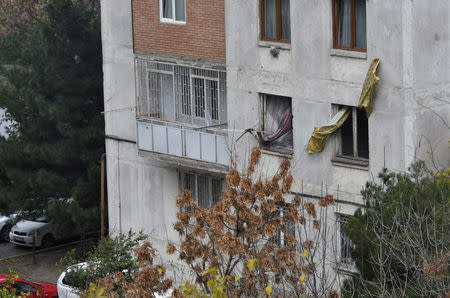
(188, 83)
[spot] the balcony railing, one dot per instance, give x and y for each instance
(183, 140)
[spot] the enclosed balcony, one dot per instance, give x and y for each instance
(181, 111)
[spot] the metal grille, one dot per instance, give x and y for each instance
(346, 243)
(196, 95)
(206, 191)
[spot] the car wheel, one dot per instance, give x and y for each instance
(47, 241)
(4, 233)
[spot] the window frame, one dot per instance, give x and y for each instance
(264, 96)
(278, 23)
(335, 22)
(345, 243)
(355, 159)
(183, 77)
(280, 238)
(173, 19)
(195, 196)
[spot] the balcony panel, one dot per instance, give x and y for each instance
(183, 141)
(175, 138)
(160, 137)
(208, 147)
(145, 136)
(192, 144)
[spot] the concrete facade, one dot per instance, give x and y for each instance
(410, 117)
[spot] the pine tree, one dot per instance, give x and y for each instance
(53, 97)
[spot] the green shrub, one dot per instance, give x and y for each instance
(109, 256)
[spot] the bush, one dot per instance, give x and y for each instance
(111, 255)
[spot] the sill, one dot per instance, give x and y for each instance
(348, 53)
(348, 162)
(277, 44)
(172, 21)
(283, 153)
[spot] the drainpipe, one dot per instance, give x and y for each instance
(102, 197)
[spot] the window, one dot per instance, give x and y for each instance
(277, 123)
(179, 93)
(280, 238)
(275, 20)
(353, 135)
(206, 190)
(349, 24)
(173, 11)
(345, 242)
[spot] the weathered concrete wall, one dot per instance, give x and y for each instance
(315, 77)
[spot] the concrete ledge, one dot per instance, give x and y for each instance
(348, 54)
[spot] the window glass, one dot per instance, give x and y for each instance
(22, 287)
(206, 190)
(180, 10)
(347, 136)
(277, 132)
(167, 9)
(285, 20)
(344, 20)
(360, 15)
(363, 134)
(270, 19)
(346, 243)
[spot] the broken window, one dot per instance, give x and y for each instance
(173, 10)
(277, 123)
(353, 136)
(179, 93)
(206, 190)
(345, 242)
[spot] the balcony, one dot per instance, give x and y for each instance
(183, 140)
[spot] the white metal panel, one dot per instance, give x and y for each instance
(208, 147)
(144, 136)
(174, 138)
(192, 144)
(223, 155)
(160, 138)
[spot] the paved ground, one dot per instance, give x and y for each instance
(45, 268)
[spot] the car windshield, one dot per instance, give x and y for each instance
(42, 219)
(35, 284)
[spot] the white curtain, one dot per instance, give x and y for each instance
(270, 19)
(180, 10)
(285, 20)
(167, 9)
(344, 29)
(360, 14)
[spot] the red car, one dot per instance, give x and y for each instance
(36, 289)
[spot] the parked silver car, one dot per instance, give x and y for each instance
(41, 228)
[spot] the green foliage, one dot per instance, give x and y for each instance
(402, 235)
(53, 98)
(7, 289)
(111, 255)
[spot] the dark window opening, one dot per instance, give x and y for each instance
(275, 20)
(354, 135)
(349, 24)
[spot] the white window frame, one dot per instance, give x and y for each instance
(172, 20)
(195, 196)
(342, 220)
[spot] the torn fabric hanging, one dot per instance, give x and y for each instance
(369, 86)
(277, 124)
(320, 134)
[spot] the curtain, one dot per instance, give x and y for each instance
(285, 20)
(344, 27)
(270, 19)
(277, 123)
(360, 15)
(180, 10)
(167, 9)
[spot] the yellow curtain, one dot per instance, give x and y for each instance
(320, 134)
